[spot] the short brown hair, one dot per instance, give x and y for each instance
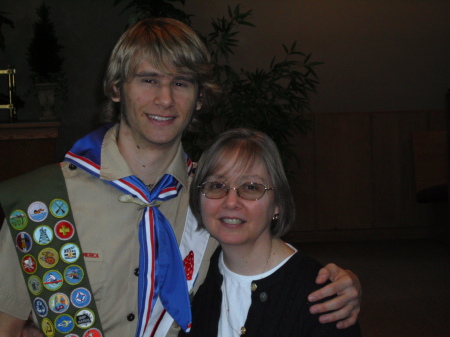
(250, 146)
(168, 45)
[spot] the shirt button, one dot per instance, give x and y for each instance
(72, 167)
(263, 296)
(254, 286)
(130, 317)
(136, 272)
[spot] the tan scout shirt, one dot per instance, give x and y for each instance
(108, 232)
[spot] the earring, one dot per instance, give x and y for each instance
(275, 217)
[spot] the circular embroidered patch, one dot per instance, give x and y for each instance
(93, 333)
(80, 297)
(72, 335)
(48, 257)
(73, 274)
(34, 284)
(59, 208)
(64, 230)
(53, 280)
(84, 318)
(37, 211)
(59, 303)
(18, 219)
(43, 235)
(24, 242)
(40, 307)
(70, 253)
(64, 323)
(29, 264)
(47, 327)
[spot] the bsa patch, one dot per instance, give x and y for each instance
(84, 318)
(93, 333)
(48, 257)
(70, 253)
(40, 307)
(53, 280)
(34, 284)
(64, 230)
(73, 274)
(64, 323)
(43, 235)
(47, 327)
(80, 297)
(59, 208)
(29, 264)
(18, 219)
(24, 242)
(59, 303)
(38, 211)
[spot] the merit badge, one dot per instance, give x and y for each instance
(48, 258)
(59, 303)
(73, 274)
(47, 327)
(70, 253)
(64, 323)
(18, 219)
(43, 235)
(37, 211)
(84, 318)
(72, 335)
(29, 264)
(40, 307)
(53, 280)
(34, 285)
(24, 242)
(64, 230)
(59, 208)
(93, 333)
(80, 297)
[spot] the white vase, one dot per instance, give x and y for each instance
(46, 97)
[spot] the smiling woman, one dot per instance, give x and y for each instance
(257, 284)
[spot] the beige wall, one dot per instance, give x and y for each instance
(380, 55)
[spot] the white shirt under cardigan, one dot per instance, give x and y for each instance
(237, 297)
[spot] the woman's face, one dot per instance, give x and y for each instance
(233, 220)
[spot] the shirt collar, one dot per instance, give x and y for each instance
(114, 166)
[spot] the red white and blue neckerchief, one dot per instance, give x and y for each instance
(161, 271)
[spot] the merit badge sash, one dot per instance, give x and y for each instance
(161, 270)
(42, 227)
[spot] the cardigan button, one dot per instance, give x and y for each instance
(254, 287)
(136, 272)
(130, 317)
(263, 296)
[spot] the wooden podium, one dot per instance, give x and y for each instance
(25, 146)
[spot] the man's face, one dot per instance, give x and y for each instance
(156, 106)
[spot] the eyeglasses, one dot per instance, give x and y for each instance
(247, 191)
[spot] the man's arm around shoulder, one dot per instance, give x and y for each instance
(10, 326)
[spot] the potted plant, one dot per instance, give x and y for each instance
(45, 63)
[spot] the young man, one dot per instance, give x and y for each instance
(105, 242)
